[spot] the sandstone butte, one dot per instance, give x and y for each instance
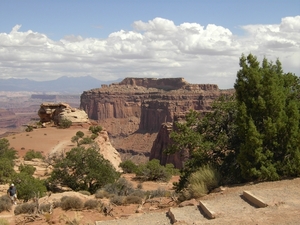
(139, 113)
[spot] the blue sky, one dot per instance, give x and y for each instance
(200, 40)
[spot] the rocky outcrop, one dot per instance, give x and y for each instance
(108, 151)
(57, 111)
(161, 143)
(141, 105)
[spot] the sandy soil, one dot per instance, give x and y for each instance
(46, 140)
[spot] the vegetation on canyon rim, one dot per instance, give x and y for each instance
(250, 136)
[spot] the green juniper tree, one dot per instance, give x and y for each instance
(268, 120)
(83, 169)
(210, 139)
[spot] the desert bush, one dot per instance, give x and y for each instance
(101, 194)
(94, 136)
(71, 202)
(117, 200)
(139, 193)
(32, 154)
(128, 166)
(202, 181)
(29, 129)
(85, 140)
(29, 169)
(3, 221)
(85, 193)
(56, 204)
(5, 203)
(140, 186)
(160, 192)
(120, 187)
(91, 204)
(25, 208)
(172, 170)
(28, 187)
(95, 129)
(133, 200)
(152, 170)
(65, 123)
(79, 134)
(7, 156)
(45, 207)
(6, 169)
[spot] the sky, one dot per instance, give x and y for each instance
(199, 40)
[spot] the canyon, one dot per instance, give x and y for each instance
(139, 113)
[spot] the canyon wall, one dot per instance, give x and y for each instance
(138, 106)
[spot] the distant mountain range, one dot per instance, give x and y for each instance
(63, 85)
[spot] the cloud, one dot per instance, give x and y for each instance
(156, 48)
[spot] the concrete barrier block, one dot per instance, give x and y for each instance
(208, 213)
(254, 200)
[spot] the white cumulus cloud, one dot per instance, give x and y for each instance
(156, 48)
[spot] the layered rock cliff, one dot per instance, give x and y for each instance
(139, 106)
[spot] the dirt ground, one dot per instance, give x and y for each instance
(282, 197)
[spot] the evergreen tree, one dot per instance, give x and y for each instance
(83, 169)
(210, 139)
(268, 120)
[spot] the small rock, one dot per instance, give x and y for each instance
(191, 202)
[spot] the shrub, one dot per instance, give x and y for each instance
(160, 192)
(79, 134)
(101, 194)
(172, 170)
(85, 140)
(140, 186)
(202, 181)
(28, 187)
(3, 222)
(45, 207)
(29, 169)
(29, 129)
(138, 193)
(117, 200)
(85, 193)
(5, 203)
(94, 136)
(71, 202)
(25, 208)
(133, 200)
(91, 204)
(120, 187)
(31, 154)
(95, 129)
(65, 123)
(56, 204)
(128, 166)
(7, 156)
(6, 169)
(152, 170)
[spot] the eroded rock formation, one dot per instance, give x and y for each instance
(108, 151)
(141, 105)
(57, 111)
